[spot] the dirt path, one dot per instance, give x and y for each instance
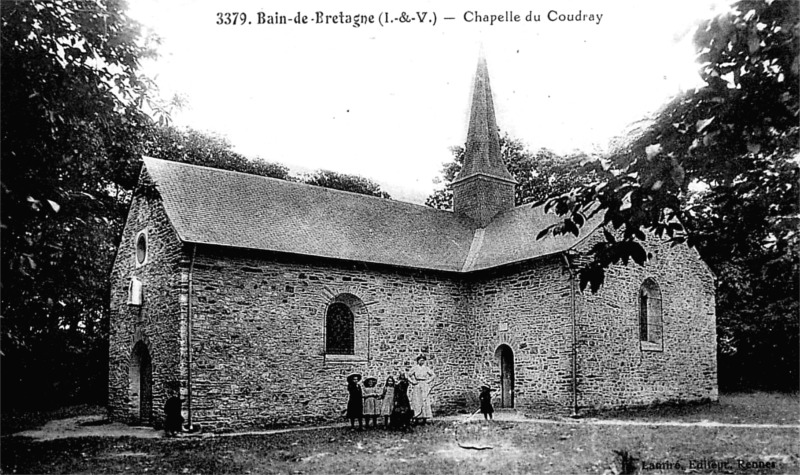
(703, 423)
(88, 426)
(98, 426)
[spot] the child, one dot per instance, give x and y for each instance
(174, 419)
(401, 412)
(355, 405)
(486, 402)
(370, 394)
(387, 400)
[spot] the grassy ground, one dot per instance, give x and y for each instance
(521, 447)
(754, 407)
(515, 447)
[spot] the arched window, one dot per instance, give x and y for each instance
(339, 330)
(651, 327)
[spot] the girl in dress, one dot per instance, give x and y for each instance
(387, 400)
(371, 405)
(172, 410)
(401, 412)
(355, 405)
(486, 402)
(421, 377)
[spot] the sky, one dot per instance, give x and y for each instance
(387, 101)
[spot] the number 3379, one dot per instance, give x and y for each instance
(231, 18)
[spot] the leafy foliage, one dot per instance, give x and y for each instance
(539, 175)
(207, 149)
(73, 131)
(71, 121)
(442, 198)
(211, 150)
(345, 182)
(729, 135)
(717, 168)
(737, 231)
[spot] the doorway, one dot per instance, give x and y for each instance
(141, 384)
(505, 357)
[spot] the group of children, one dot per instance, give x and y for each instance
(370, 402)
(365, 403)
(392, 402)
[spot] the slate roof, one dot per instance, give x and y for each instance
(225, 208)
(511, 237)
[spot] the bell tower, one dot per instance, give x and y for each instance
(483, 187)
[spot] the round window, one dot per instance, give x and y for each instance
(141, 248)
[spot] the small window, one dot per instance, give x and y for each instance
(141, 248)
(339, 331)
(651, 327)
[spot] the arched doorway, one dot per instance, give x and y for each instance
(505, 357)
(141, 384)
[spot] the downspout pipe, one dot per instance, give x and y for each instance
(189, 315)
(574, 336)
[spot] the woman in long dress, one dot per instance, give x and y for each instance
(421, 377)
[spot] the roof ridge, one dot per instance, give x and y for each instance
(474, 250)
(298, 184)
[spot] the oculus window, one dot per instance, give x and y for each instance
(141, 248)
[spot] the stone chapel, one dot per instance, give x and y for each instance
(256, 297)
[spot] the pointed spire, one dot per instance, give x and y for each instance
(482, 154)
(483, 187)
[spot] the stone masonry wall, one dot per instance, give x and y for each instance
(481, 198)
(156, 323)
(258, 333)
(614, 368)
(527, 308)
(259, 336)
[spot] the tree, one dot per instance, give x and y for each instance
(717, 168)
(207, 149)
(732, 136)
(736, 230)
(345, 182)
(73, 130)
(442, 198)
(538, 175)
(71, 124)
(211, 150)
